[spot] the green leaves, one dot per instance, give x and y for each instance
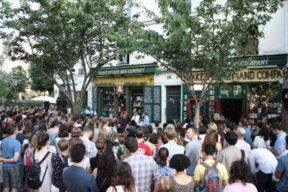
(61, 33)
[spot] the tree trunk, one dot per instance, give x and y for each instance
(197, 114)
(76, 107)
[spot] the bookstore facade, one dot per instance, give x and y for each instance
(127, 89)
(253, 92)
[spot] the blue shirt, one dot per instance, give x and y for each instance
(146, 120)
(76, 179)
(280, 144)
(166, 171)
(9, 147)
(282, 166)
(248, 135)
(192, 150)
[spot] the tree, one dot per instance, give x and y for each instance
(39, 82)
(6, 87)
(61, 33)
(19, 79)
(206, 41)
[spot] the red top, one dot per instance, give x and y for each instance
(146, 148)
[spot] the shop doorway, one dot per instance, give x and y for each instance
(173, 102)
(232, 109)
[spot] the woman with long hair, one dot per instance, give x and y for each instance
(122, 180)
(43, 154)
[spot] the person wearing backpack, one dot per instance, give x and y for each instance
(210, 175)
(39, 173)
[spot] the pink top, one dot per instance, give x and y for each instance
(241, 144)
(239, 187)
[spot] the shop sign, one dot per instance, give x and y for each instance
(126, 71)
(260, 61)
(246, 75)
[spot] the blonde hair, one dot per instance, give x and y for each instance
(170, 132)
(212, 126)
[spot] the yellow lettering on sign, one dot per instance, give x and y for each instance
(245, 75)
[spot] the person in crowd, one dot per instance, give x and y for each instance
(43, 154)
(281, 172)
(105, 167)
(202, 132)
(209, 160)
(146, 136)
(141, 145)
(10, 151)
(244, 123)
(59, 162)
(263, 163)
(53, 131)
(88, 134)
(239, 178)
(63, 134)
(279, 148)
(29, 151)
(262, 139)
(75, 178)
(172, 146)
(230, 154)
(212, 126)
(180, 181)
(20, 135)
(121, 147)
(136, 118)
(162, 161)
(123, 180)
(144, 168)
(212, 138)
(241, 143)
(192, 148)
(146, 120)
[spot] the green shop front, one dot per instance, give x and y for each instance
(127, 89)
(253, 92)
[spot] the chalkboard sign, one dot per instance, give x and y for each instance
(157, 113)
(148, 94)
(157, 94)
(148, 109)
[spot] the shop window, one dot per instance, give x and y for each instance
(137, 100)
(107, 101)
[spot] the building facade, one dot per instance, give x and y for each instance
(138, 85)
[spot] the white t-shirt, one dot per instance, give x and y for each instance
(259, 142)
(265, 159)
(173, 149)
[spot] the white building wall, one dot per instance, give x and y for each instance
(275, 39)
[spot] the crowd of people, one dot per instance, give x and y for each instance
(48, 151)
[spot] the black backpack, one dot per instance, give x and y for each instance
(34, 172)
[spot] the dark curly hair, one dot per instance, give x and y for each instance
(179, 162)
(239, 171)
(123, 176)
